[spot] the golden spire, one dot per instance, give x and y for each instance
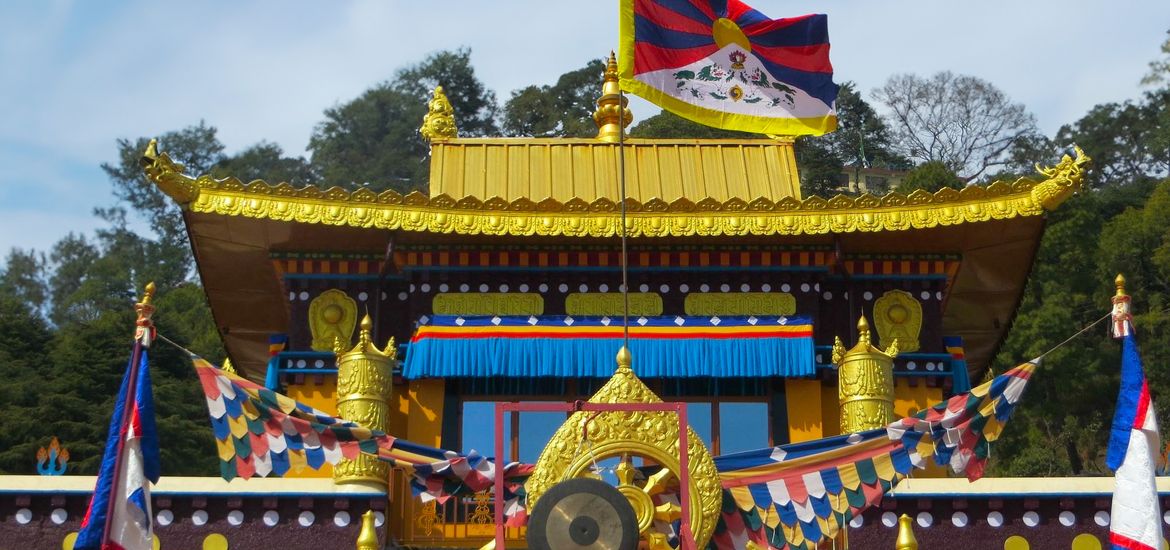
(439, 122)
(365, 343)
(368, 537)
(612, 115)
(906, 539)
(624, 359)
(1119, 282)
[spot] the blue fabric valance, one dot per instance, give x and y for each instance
(570, 347)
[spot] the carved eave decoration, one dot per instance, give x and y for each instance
(654, 218)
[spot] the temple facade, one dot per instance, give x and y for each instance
(416, 314)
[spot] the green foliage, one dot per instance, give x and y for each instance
(667, 125)
(1128, 141)
(929, 176)
(564, 109)
(374, 141)
(266, 161)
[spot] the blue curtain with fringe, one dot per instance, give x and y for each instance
(564, 346)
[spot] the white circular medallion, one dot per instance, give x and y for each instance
(412, 287)
(1031, 518)
(724, 287)
(745, 288)
(828, 295)
(1101, 518)
(363, 296)
(306, 518)
(1166, 517)
(925, 519)
(236, 518)
(664, 289)
(292, 296)
(643, 288)
(911, 365)
(785, 287)
(426, 287)
(303, 295)
(765, 287)
(867, 295)
(1068, 519)
(603, 287)
(320, 363)
(165, 517)
(889, 519)
(704, 288)
(444, 287)
(857, 522)
(379, 519)
(341, 518)
(938, 295)
(684, 288)
(583, 288)
(464, 287)
(959, 519)
(504, 288)
(23, 516)
(402, 296)
(994, 519)
(271, 518)
(925, 295)
(301, 363)
(542, 288)
(199, 517)
(484, 287)
(59, 515)
(524, 287)
(804, 287)
(563, 288)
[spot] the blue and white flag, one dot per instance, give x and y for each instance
(1136, 518)
(119, 516)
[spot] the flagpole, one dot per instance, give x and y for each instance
(625, 252)
(143, 335)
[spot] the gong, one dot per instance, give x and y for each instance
(580, 514)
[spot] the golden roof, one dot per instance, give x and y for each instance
(586, 170)
(534, 163)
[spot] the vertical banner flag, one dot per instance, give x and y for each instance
(1136, 520)
(119, 516)
(724, 64)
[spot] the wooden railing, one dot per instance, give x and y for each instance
(461, 522)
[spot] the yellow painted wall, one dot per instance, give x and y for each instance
(319, 392)
(830, 410)
(424, 419)
(803, 397)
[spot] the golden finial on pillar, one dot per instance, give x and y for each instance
(363, 393)
(865, 387)
(144, 325)
(368, 537)
(439, 122)
(906, 539)
(228, 366)
(1122, 316)
(612, 115)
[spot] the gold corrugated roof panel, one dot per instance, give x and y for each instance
(586, 169)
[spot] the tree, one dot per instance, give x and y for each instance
(929, 176)
(373, 140)
(1159, 68)
(963, 121)
(1128, 141)
(266, 161)
(564, 109)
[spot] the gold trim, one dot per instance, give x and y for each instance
(740, 303)
(611, 303)
(654, 218)
(488, 303)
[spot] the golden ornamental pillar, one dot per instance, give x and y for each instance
(865, 382)
(363, 393)
(612, 115)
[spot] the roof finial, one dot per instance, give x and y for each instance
(612, 115)
(439, 122)
(906, 539)
(624, 359)
(1119, 282)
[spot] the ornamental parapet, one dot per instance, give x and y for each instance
(601, 218)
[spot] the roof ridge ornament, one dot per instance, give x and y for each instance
(1064, 180)
(439, 122)
(612, 114)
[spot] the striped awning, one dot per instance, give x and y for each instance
(584, 347)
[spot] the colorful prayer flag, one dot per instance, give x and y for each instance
(1136, 518)
(119, 516)
(724, 64)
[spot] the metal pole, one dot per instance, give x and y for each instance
(625, 252)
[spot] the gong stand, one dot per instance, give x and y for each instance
(686, 537)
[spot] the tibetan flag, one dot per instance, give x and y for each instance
(724, 64)
(1133, 455)
(121, 499)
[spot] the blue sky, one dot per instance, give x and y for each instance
(79, 75)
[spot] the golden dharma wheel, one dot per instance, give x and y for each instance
(589, 438)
